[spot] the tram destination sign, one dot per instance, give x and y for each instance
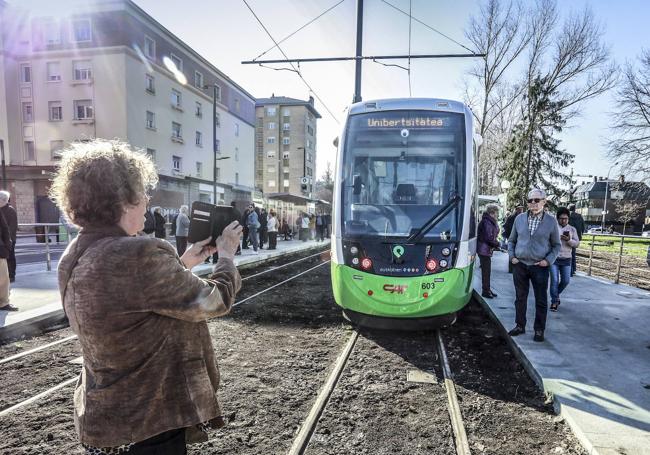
(407, 122)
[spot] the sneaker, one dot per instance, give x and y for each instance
(518, 330)
(487, 295)
(256, 252)
(539, 335)
(9, 307)
(493, 294)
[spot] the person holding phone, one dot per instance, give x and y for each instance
(149, 378)
(561, 268)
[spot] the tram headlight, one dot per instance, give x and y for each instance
(355, 261)
(443, 263)
(431, 265)
(354, 250)
(445, 252)
(366, 263)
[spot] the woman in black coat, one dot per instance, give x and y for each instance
(159, 223)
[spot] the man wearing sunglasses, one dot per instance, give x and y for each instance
(533, 246)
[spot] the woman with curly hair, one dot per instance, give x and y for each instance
(149, 377)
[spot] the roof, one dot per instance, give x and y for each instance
(286, 101)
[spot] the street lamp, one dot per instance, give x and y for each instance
(215, 151)
(602, 228)
(505, 186)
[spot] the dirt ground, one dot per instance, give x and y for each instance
(275, 351)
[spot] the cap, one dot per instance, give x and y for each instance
(536, 193)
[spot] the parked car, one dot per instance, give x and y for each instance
(595, 230)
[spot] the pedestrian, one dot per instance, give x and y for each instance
(312, 227)
(304, 227)
(561, 268)
(285, 230)
(488, 231)
(12, 221)
(272, 226)
(253, 224)
(159, 220)
(149, 223)
(320, 227)
(578, 222)
(263, 218)
(149, 377)
(237, 216)
(244, 223)
(507, 229)
(328, 225)
(182, 229)
(5, 251)
(533, 246)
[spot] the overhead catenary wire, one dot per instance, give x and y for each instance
(409, 61)
(428, 26)
(301, 28)
(290, 63)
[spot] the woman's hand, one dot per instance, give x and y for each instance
(198, 253)
(228, 241)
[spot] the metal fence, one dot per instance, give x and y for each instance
(620, 258)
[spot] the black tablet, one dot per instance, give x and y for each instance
(209, 220)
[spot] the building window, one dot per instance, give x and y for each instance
(236, 129)
(217, 120)
(199, 169)
(285, 183)
(218, 92)
(53, 71)
(83, 109)
(81, 30)
(286, 127)
(177, 62)
(176, 99)
(271, 125)
(270, 111)
(149, 83)
(286, 141)
(30, 154)
(270, 140)
(55, 110)
(270, 169)
(198, 139)
(309, 157)
(199, 110)
(237, 105)
(271, 183)
(217, 145)
(82, 70)
(151, 120)
(151, 153)
(149, 48)
(28, 113)
(270, 154)
(177, 132)
(236, 178)
(310, 130)
(285, 155)
(55, 149)
(309, 143)
(286, 112)
(176, 163)
(198, 80)
(51, 33)
(26, 73)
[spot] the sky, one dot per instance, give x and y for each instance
(226, 33)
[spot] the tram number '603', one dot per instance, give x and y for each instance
(428, 285)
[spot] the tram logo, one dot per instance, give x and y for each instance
(395, 288)
(398, 251)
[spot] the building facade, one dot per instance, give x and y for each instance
(285, 148)
(109, 70)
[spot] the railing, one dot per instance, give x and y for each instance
(620, 258)
(45, 232)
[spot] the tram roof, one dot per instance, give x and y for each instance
(392, 104)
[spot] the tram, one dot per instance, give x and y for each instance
(404, 213)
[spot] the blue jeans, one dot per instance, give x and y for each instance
(560, 277)
(253, 238)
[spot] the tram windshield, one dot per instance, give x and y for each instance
(400, 169)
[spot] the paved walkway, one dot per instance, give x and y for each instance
(35, 291)
(595, 360)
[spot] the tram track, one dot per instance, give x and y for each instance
(45, 364)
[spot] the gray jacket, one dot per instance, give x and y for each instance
(182, 225)
(543, 244)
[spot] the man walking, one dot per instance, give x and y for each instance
(577, 221)
(533, 246)
(12, 221)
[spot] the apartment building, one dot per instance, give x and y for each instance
(285, 149)
(109, 70)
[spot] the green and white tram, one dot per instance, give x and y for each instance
(404, 221)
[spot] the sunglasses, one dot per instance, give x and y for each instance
(534, 201)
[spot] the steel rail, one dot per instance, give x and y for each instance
(460, 436)
(307, 429)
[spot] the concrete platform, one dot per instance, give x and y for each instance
(35, 292)
(595, 361)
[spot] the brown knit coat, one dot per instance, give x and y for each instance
(140, 315)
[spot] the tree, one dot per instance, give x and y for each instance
(631, 121)
(324, 188)
(628, 210)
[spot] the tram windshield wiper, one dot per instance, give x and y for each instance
(435, 219)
